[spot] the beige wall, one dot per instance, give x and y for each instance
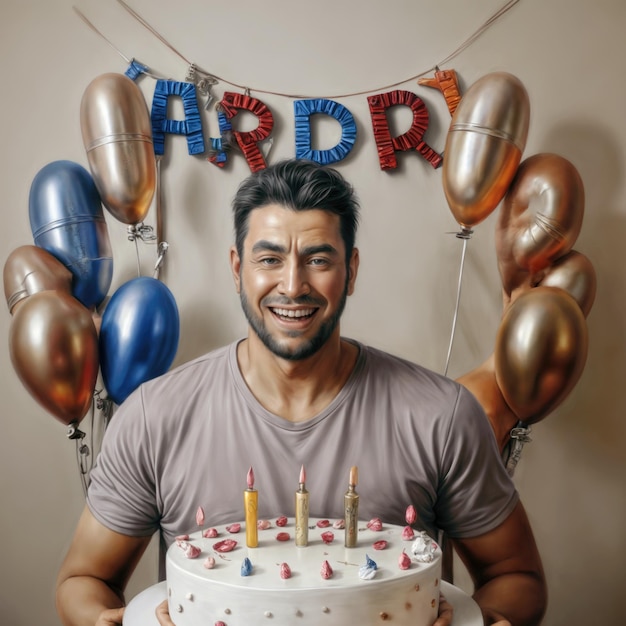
(570, 57)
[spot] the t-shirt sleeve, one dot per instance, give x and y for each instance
(476, 493)
(122, 492)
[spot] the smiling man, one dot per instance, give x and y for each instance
(295, 392)
(294, 262)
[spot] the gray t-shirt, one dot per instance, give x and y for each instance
(188, 438)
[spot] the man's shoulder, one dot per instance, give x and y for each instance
(198, 367)
(382, 361)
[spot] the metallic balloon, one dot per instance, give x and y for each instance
(67, 220)
(29, 270)
(540, 218)
(484, 146)
(540, 352)
(574, 273)
(138, 335)
(54, 350)
(117, 136)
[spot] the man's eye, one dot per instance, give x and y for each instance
(319, 261)
(269, 261)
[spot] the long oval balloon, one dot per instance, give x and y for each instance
(67, 220)
(29, 270)
(138, 336)
(540, 352)
(484, 146)
(117, 136)
(54, 350)
(540, 218)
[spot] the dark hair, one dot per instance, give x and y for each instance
(299, 185)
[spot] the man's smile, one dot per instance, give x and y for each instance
(292, 313)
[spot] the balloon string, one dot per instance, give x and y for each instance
(84, 460)
(464, 234)
(138, 261)
(159, 208)
(465, 44)
(519, 436)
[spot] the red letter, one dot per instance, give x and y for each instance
(412, 139)
(248, 140)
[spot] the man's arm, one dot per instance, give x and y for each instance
(506, 569)
(95, 571)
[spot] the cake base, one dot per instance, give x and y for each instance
(322, 582)
(140, 610)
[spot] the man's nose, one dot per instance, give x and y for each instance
(294, 280)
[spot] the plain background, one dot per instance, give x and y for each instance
(569, 55)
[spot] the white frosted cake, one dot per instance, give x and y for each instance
(388, 576)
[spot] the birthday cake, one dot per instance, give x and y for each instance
(392, 574)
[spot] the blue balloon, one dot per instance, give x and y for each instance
(67, 220)
(138, 337)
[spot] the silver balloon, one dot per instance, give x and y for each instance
(540, 352)
(484, 146)
(29, 270)
(54, 349)
(575, 274)
(540, 218)
(117, 135)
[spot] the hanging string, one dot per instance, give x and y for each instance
(162, 245)
(465, 234)
(84, 460)
(82, 16)
(519, 436)
(465, 44)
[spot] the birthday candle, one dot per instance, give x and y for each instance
(351, 505)
(251, 505)
(302, 511)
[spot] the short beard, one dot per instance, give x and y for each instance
(308, 348)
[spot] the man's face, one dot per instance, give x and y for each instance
(292, 279)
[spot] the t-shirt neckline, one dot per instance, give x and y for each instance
(258, 409)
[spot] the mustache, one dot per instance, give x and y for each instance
(304, 300)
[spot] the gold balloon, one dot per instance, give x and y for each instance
(484, 146)
(54, 350)
(540, 218)
(540, 352)
(29, 270)
(574, 273)
(117, 135)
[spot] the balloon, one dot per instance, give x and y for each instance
(29, 270)
(67, 220)
(117, 136)
(54, 350)
(484, 146)
(540, 219)
(574, 273)
(138, 336)
(540, 352)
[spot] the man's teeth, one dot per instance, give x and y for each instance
(292, 313)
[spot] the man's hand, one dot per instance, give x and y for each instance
(163, 614)
(445, 612)
(111, 617)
